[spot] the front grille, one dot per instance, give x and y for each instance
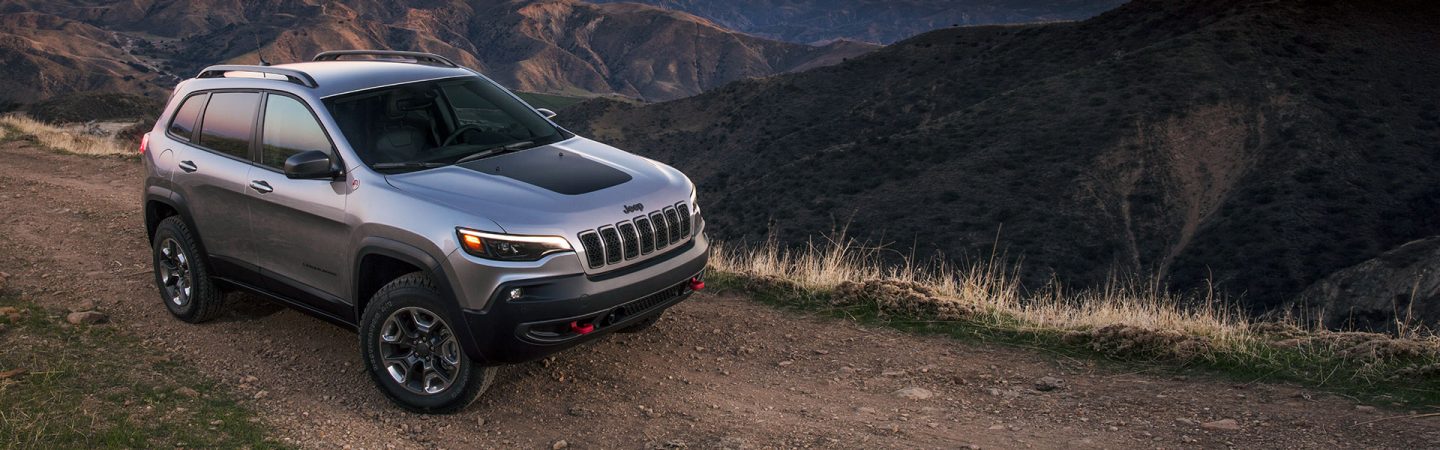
(612, 245)
(628, 240)
(594, 253)
(662, 230)
(672, 219)
(645, 235)
(684, 218)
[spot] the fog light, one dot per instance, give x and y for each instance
(515, 294)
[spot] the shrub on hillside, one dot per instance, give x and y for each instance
(88, 106)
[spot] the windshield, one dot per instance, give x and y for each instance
(434, 123)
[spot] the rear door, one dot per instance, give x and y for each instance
(299, 225)
(213, 177)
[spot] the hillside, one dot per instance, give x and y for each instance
(878, 21)
(45, 54)
(1246, 146)
(554, 46)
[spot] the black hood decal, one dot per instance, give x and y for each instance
(557, 170)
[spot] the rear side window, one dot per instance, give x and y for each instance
(289, 129)
(229, 123)
(183, 125)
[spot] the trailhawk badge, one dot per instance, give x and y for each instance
(634, 208)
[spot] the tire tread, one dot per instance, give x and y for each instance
(207, 302)
(480, 378)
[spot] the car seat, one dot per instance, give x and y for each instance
(406, 130)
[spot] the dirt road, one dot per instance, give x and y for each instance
(718, 371)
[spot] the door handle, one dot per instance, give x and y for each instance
(188, 166)
(261, 186)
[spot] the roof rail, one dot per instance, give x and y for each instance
(291, 75)
(419, 57)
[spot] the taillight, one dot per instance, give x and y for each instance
(144, 142)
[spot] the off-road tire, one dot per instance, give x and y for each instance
(412, 291)
(204, 300)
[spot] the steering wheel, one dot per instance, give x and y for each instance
(461, 130)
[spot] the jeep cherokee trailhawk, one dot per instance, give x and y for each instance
(452, 225)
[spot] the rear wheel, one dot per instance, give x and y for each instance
(181, 274)
(412, 352)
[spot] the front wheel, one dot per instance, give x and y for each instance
(412, 352)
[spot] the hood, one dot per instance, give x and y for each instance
(558, 189)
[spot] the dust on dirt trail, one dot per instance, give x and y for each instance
(717, 371)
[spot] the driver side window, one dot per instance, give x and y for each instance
(290, 128)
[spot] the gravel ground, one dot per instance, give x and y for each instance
(717, 372)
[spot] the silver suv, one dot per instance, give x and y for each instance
(453, 226)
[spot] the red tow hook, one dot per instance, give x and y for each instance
(696, 284)
(582, 329)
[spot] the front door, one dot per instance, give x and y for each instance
(299, 226)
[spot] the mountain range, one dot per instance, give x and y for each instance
(1243, 148)
(877, 21)
(557, 46)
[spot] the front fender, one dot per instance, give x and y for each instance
(439, 273)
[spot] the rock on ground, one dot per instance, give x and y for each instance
(914, 393)
(85, 317)
(1222, 425)
(1046, 384)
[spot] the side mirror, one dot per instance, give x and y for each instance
(546, 112)
(310, 164)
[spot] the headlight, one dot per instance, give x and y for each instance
(508, 247)
(694, 191)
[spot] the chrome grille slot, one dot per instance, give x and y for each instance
(647, 235)
(594, 254)
(684, 210)
(672, 220)
(662, 229)
(611, 238)
(628, 240)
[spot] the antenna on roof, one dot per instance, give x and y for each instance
(259, 51)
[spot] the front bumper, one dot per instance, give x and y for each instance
(554, 309)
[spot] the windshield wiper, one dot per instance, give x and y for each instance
(406, 165)
(497, 150)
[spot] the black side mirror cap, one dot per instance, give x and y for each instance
(546, 112)
(311, 164)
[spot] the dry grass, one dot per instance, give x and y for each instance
(989, 286)
(986, 299)
(75, 139)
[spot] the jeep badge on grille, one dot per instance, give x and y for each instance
(634, 208)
